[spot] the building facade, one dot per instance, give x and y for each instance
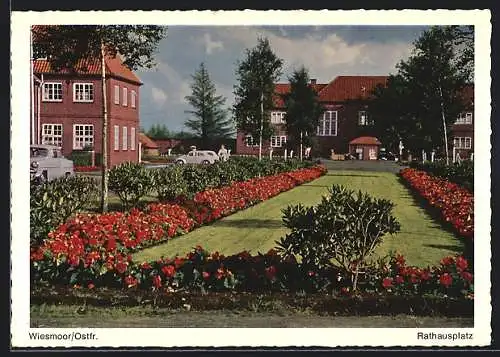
(463, 128)
(67, 108)
(346, 101)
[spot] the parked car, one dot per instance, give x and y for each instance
(387, 156)
(205, 157)
(47, 163)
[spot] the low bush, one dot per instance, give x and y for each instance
(130, 181)
(343, 229)
(169, 182)
(53, 202)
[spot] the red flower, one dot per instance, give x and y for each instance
(446, 280)
(271, 272)
(121, 267)
(467, 276)
(91, 286)
(387, 283)
(461, 263)
(219, 274)
(311, 273)
(425, 275)
(206, 275)
(168, 270)
(447, 261)
(130, 281)
(145, 266)
(157, 281)
(399, 279)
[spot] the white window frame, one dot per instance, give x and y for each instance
(132, 138)
(49, 135)
(117, 94)
(124, 96)
(85, 86)
(464, 142)
(85, 136)
(45, 91)
(249, 142)
(278, 141)
(464, 118)
(133, 98)
(124, 138)
(366, 121)
(116, 138)
(278, 117)
(330, 116)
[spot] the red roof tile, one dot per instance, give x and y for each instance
(284, 88)
(344, 88)
(147, 142)
(114, 67)
(365, 140)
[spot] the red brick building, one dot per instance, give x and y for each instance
(463, 128)
(67, 108)
(346, 117)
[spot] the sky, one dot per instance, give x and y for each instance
(325, 51)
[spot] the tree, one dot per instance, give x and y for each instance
(425, 93)
(159, 131)
(257, 75)
(65, 46)
(303, 109)
(210, 118)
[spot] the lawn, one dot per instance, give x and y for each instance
(421, 240)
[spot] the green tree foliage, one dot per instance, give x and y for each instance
(426, 94)
(303, 109)
(159, 131)
(256, 75)
(209, 119)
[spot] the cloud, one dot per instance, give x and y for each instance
(159, 96)
(211, 46)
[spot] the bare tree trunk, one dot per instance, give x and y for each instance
(104, 144)
(301, 146)
(444, 126)
(261, 123)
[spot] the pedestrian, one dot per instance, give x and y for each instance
(222, 153)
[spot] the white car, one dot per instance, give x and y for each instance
(47, 163)
(205, 157)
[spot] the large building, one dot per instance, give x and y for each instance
(67, 108)
(463, 128)
(346, 117)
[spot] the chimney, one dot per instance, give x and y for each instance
(313, 81)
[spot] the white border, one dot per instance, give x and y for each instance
(20, 54)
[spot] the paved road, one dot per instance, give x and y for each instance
(359, 165)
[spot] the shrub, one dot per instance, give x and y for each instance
(197, 179)
(343, 229)
(130, 181)
(169, 182)
(55, 201)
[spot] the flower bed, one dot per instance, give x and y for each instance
(455, 204)
(86, 168)
(91, 246)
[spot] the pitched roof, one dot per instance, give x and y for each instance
(114, 67)
(365, 140)
(284, 88)
(147, 142)
(344, 88)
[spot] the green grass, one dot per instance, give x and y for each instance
(421, 240)
(254, 316)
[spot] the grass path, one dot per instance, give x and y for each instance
(421, 240)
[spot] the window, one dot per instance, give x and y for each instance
(327, 124)
(52, 134)
(116, 138)
(464, 118)
(462, 142)
(278, 117)
(124, 138)
(52, 92)
(117, 94)
(250, 141)
(83, 92)
(363, 118)
(83, 136)
(133, 96)
(124, 99)
(132, 138)
(278, 141)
